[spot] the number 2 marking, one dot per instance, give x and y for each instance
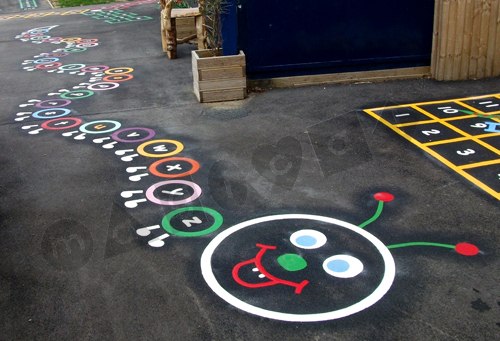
(466, 152)
(430, 132)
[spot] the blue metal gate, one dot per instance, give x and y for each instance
(285, 38)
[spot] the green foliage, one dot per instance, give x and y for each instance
(75, 3)
(181, 4)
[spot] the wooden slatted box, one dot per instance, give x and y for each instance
(219, 78)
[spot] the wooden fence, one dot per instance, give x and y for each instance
(466, 42)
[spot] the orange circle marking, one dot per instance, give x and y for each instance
(118, 78)
(71, 40)
(119, 71)
(153, 168)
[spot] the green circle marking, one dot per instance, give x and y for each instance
(70, 94)
(218, 219)
(292, 262)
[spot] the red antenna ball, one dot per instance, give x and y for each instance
(383, 196)
(466, 249)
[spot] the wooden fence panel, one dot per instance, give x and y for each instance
(466, 39)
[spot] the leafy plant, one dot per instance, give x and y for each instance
(181, 4)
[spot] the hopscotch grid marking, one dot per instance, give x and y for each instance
(459, 139)
(480, 164)
(480, 112)
(435, 102)
(436, 155)
(449, 119)
(410, 124)
(457, 130)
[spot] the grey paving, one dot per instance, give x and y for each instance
(107, 283)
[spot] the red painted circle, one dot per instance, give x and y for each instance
(466, 249)
(48, 66)
(154, 167)
(118, 78)
(77, 122)
(383, 196)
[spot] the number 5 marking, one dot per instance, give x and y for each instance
(430, 132)
(466, 152)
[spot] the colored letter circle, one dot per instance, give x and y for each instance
(96, 127)
(167, 226)
(51, 124)
(151, 196)
(40, 113)
(178, 148)
(150, 134)
(153, 168)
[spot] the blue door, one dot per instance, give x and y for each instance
(286, 38)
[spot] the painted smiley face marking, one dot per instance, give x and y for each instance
(334, 269)
(270, 280)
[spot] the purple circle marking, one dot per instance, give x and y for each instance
(58, 103)
(151, 197)
(151, 134)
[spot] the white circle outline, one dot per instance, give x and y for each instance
(112, 86)
(375, 296)
(320, 239)
(83, 128)
(355, 266)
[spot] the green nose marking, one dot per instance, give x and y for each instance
(292, 262)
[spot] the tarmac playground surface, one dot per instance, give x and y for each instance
(130, 211)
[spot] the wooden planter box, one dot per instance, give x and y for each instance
(219, 78)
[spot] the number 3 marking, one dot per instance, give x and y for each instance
(466, 152)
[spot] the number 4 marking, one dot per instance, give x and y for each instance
(430, 132)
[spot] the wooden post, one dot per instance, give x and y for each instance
(171, 39)
(200, 26)
(466, 39)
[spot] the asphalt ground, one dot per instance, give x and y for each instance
(74, 267)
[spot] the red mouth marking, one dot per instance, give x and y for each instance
(271, 280)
